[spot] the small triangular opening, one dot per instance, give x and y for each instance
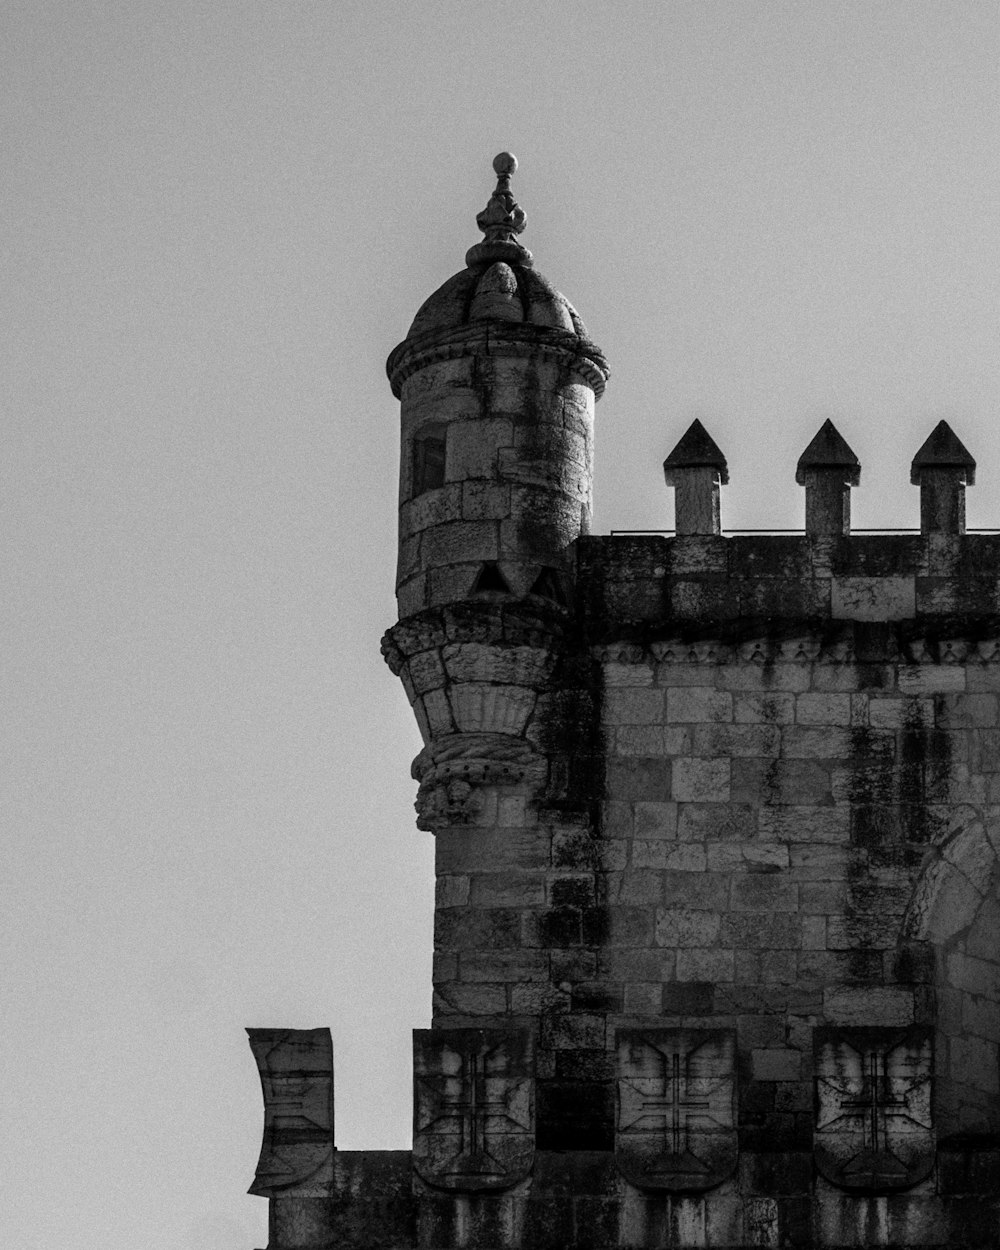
(547, 585)
(490, 578)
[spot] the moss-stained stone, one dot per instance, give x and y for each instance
(746, 783)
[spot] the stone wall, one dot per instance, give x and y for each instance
(802, 762)
(519, 466)
(717, 953)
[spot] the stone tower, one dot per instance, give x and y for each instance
(717, 827)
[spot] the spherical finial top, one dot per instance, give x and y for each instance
(501, 221)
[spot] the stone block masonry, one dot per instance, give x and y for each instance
(747, 850)
(717, 829)
(750, 845)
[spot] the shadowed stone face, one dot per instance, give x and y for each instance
(474, 1118)
(676, 1108)
(874, 1127)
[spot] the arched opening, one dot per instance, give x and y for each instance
(956, 908)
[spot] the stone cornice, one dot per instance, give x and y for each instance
(499, 339)
(504, 624)
(948, 642)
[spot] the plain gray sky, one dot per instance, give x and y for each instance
(217, 219)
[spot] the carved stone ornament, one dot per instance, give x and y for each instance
(473, 1108)
(676, 1127)
(874, 1131)
(453, 771)
(296, 1075)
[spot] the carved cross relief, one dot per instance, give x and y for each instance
(473, 1126)
(874, 1130)
(676, 1126)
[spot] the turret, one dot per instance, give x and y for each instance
(497, 381)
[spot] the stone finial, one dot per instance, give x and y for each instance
(828, 469)
(500, 221)
(942, 468)
(695, 469)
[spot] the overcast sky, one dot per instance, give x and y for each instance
(217, 220)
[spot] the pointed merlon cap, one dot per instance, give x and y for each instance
(696, 450)
(943, 450)
(828, 450)
(500, 221)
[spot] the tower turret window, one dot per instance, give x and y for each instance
(429, 459)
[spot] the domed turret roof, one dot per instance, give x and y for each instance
(499, 292)
(499, 289)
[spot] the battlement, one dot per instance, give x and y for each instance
(828, 469)
(732, 585)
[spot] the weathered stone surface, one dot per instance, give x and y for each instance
(676, 1127)
(873, 599)
(874, 1130)
(706, 964)
(776, 1064)
(746, 782)
(296, 1076)
(473, 1120)
(701, 780)
(677, 927)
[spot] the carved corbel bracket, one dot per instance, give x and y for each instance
(453, 772)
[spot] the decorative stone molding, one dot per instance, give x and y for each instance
(802, 650)
(806, 649)
(536, 625)
(507, 338)
(392, 655)
(501, 219)
(452, 770)
(953, 650)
